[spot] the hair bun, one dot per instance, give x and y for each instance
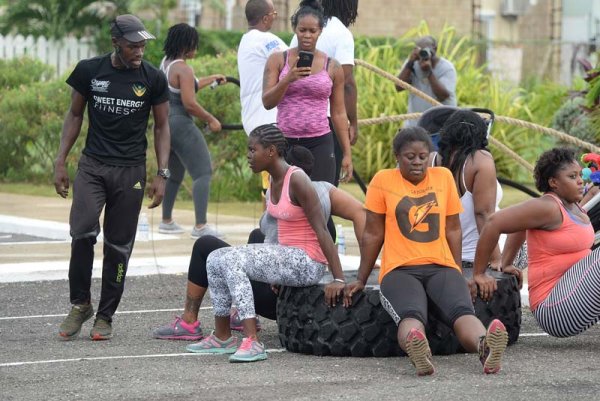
(316, 4)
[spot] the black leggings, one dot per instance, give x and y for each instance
(321, 148)
(408, 292)
(265, 300)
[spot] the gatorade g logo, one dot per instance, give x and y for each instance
(415, 220)
(120, 272)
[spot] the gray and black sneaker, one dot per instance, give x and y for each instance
(102, 330)
(71, 326)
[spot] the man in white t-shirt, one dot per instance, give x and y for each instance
(254, 49)
(429, 73)
(337, 42)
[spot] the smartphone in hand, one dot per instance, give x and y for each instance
(305, 60)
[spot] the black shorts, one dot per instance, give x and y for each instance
(408, 292)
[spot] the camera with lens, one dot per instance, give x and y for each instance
(425, 53)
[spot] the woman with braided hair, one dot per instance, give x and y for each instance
(304, 252)
(463, 150)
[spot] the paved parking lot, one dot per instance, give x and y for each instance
(36, 365)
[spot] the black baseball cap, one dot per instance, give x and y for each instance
(129, 27)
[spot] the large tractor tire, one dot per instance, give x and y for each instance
(307, 325)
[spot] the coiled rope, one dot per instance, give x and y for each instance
(493, 141)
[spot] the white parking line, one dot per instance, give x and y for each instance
(533, 334)
(117, 357)
(126, 312)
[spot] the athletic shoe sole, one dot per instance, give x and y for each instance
(66, 337)
(255, 358)
(213, 351)
(182, 338)
(100, 337)
(163, 231)
(496, 339)
(419, 353)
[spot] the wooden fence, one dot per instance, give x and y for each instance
(62, 55)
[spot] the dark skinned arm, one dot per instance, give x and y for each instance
(484, 190)
(512, 246)
(406, 72)
(347, 207)
(350, 99)
(304, 194)
(454, 237)
(70, 132)
(540, 213)
(186, 78)
(273, 88)
(339, 119)
(162, 147)
(370, 246)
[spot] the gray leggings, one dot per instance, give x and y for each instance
(188, 152)
(230, 270)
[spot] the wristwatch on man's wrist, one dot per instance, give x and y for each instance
(164, 173)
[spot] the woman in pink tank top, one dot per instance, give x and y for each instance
(302, 95)
(304, 252)
(563, 272)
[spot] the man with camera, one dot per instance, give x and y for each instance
(429, 73)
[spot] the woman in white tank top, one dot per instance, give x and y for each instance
(463, 150)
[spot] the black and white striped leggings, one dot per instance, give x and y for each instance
(230, 270)
(573, 305)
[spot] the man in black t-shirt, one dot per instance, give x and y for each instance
(119, 90)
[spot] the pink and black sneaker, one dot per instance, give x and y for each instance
(179, 330)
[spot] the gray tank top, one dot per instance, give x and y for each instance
(175, 104)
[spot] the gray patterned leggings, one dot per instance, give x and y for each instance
(230, 270)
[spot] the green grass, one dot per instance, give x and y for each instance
(244, 209)
(512, 196)
(28, 189)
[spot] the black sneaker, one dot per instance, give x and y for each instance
(102, 330)
(71, 326)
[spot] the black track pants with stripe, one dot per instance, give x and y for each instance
(120, 191)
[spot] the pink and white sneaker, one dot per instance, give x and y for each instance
(250, 351)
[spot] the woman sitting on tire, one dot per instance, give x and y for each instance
(563, 273)
(332, 200)
(463, 150)
(414, 210)
(304, 252)
(303, 93)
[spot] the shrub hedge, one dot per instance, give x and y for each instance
(32, 111)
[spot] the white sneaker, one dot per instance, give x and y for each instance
(170, 228)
